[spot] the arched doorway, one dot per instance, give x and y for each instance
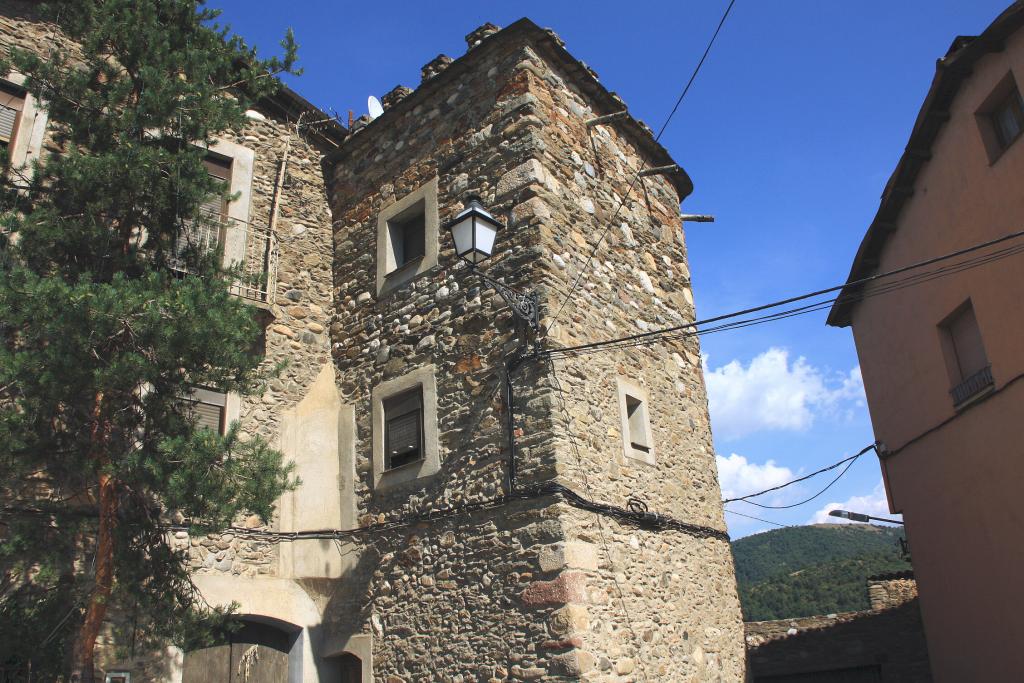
(350, 668)
(255, 653)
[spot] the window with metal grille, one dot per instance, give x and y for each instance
(966, 360)
(403, 429)
(12, 102)
(208, 408)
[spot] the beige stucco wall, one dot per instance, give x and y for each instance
(959, 487)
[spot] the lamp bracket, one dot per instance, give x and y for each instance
(524, 304)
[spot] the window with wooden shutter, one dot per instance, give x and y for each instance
(12, 101)
(219, 168)
(206, 234)
(403, 429)
(208, 409)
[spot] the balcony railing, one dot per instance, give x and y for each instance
(974, 385)
(253, 249)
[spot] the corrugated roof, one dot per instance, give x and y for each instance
(950, 72)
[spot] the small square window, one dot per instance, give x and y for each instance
(407, 237)
(118, 677)
(1001, 117)
(209, 409)
(403, 429)
(637, 439)
(1008, 118)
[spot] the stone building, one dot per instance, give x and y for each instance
(403, 556)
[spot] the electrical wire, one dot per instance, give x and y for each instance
(636, 177)
(800, 479)
(766, 521)
(693, 328)
(806, 500)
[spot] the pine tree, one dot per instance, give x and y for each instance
(101, 339)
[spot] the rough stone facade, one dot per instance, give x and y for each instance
(886, 592)
(486, 588)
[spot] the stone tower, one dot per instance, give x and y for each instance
(535, 588)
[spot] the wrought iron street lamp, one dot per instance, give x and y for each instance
(473, 232)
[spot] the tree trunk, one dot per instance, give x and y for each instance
(103, 584)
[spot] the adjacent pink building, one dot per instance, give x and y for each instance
(943, 359)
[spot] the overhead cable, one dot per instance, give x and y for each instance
(766, 521)
(803, 478)
(638, 175)
(692, 328)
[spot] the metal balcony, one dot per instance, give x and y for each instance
(975, 385)
(254, 249)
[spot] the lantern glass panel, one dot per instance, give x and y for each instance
(462, 234)
(485, 234)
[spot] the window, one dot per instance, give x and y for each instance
(1008, 118)
(406, 234)
(219, 168)
(636, 417)
(637, 440)
(405, 441)
(968, 366)
(12, 102)
(403, 429)
(407, 238)
(207, 233)
(118, 677)
(209, 408)
(1001, 117)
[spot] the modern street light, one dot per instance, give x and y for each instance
(473, 232)
(860, 517)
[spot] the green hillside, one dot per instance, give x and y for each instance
(807, 570)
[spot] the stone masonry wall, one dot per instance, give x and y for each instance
(300, 311)
(444, 600)
(662, 605)
(889, 592)
(630, 604)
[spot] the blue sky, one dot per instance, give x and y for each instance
(789, 134)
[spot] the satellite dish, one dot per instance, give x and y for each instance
(373, 104)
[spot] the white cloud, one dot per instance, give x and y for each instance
(772, 393)
(873, 504)
(738, 477)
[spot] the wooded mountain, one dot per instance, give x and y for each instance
(808, 570)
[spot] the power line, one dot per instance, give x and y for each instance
(807, 500)
(636, 177)
(766, 521)
(657, 335)
(800, 479)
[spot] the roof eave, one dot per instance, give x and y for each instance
(950, 72)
